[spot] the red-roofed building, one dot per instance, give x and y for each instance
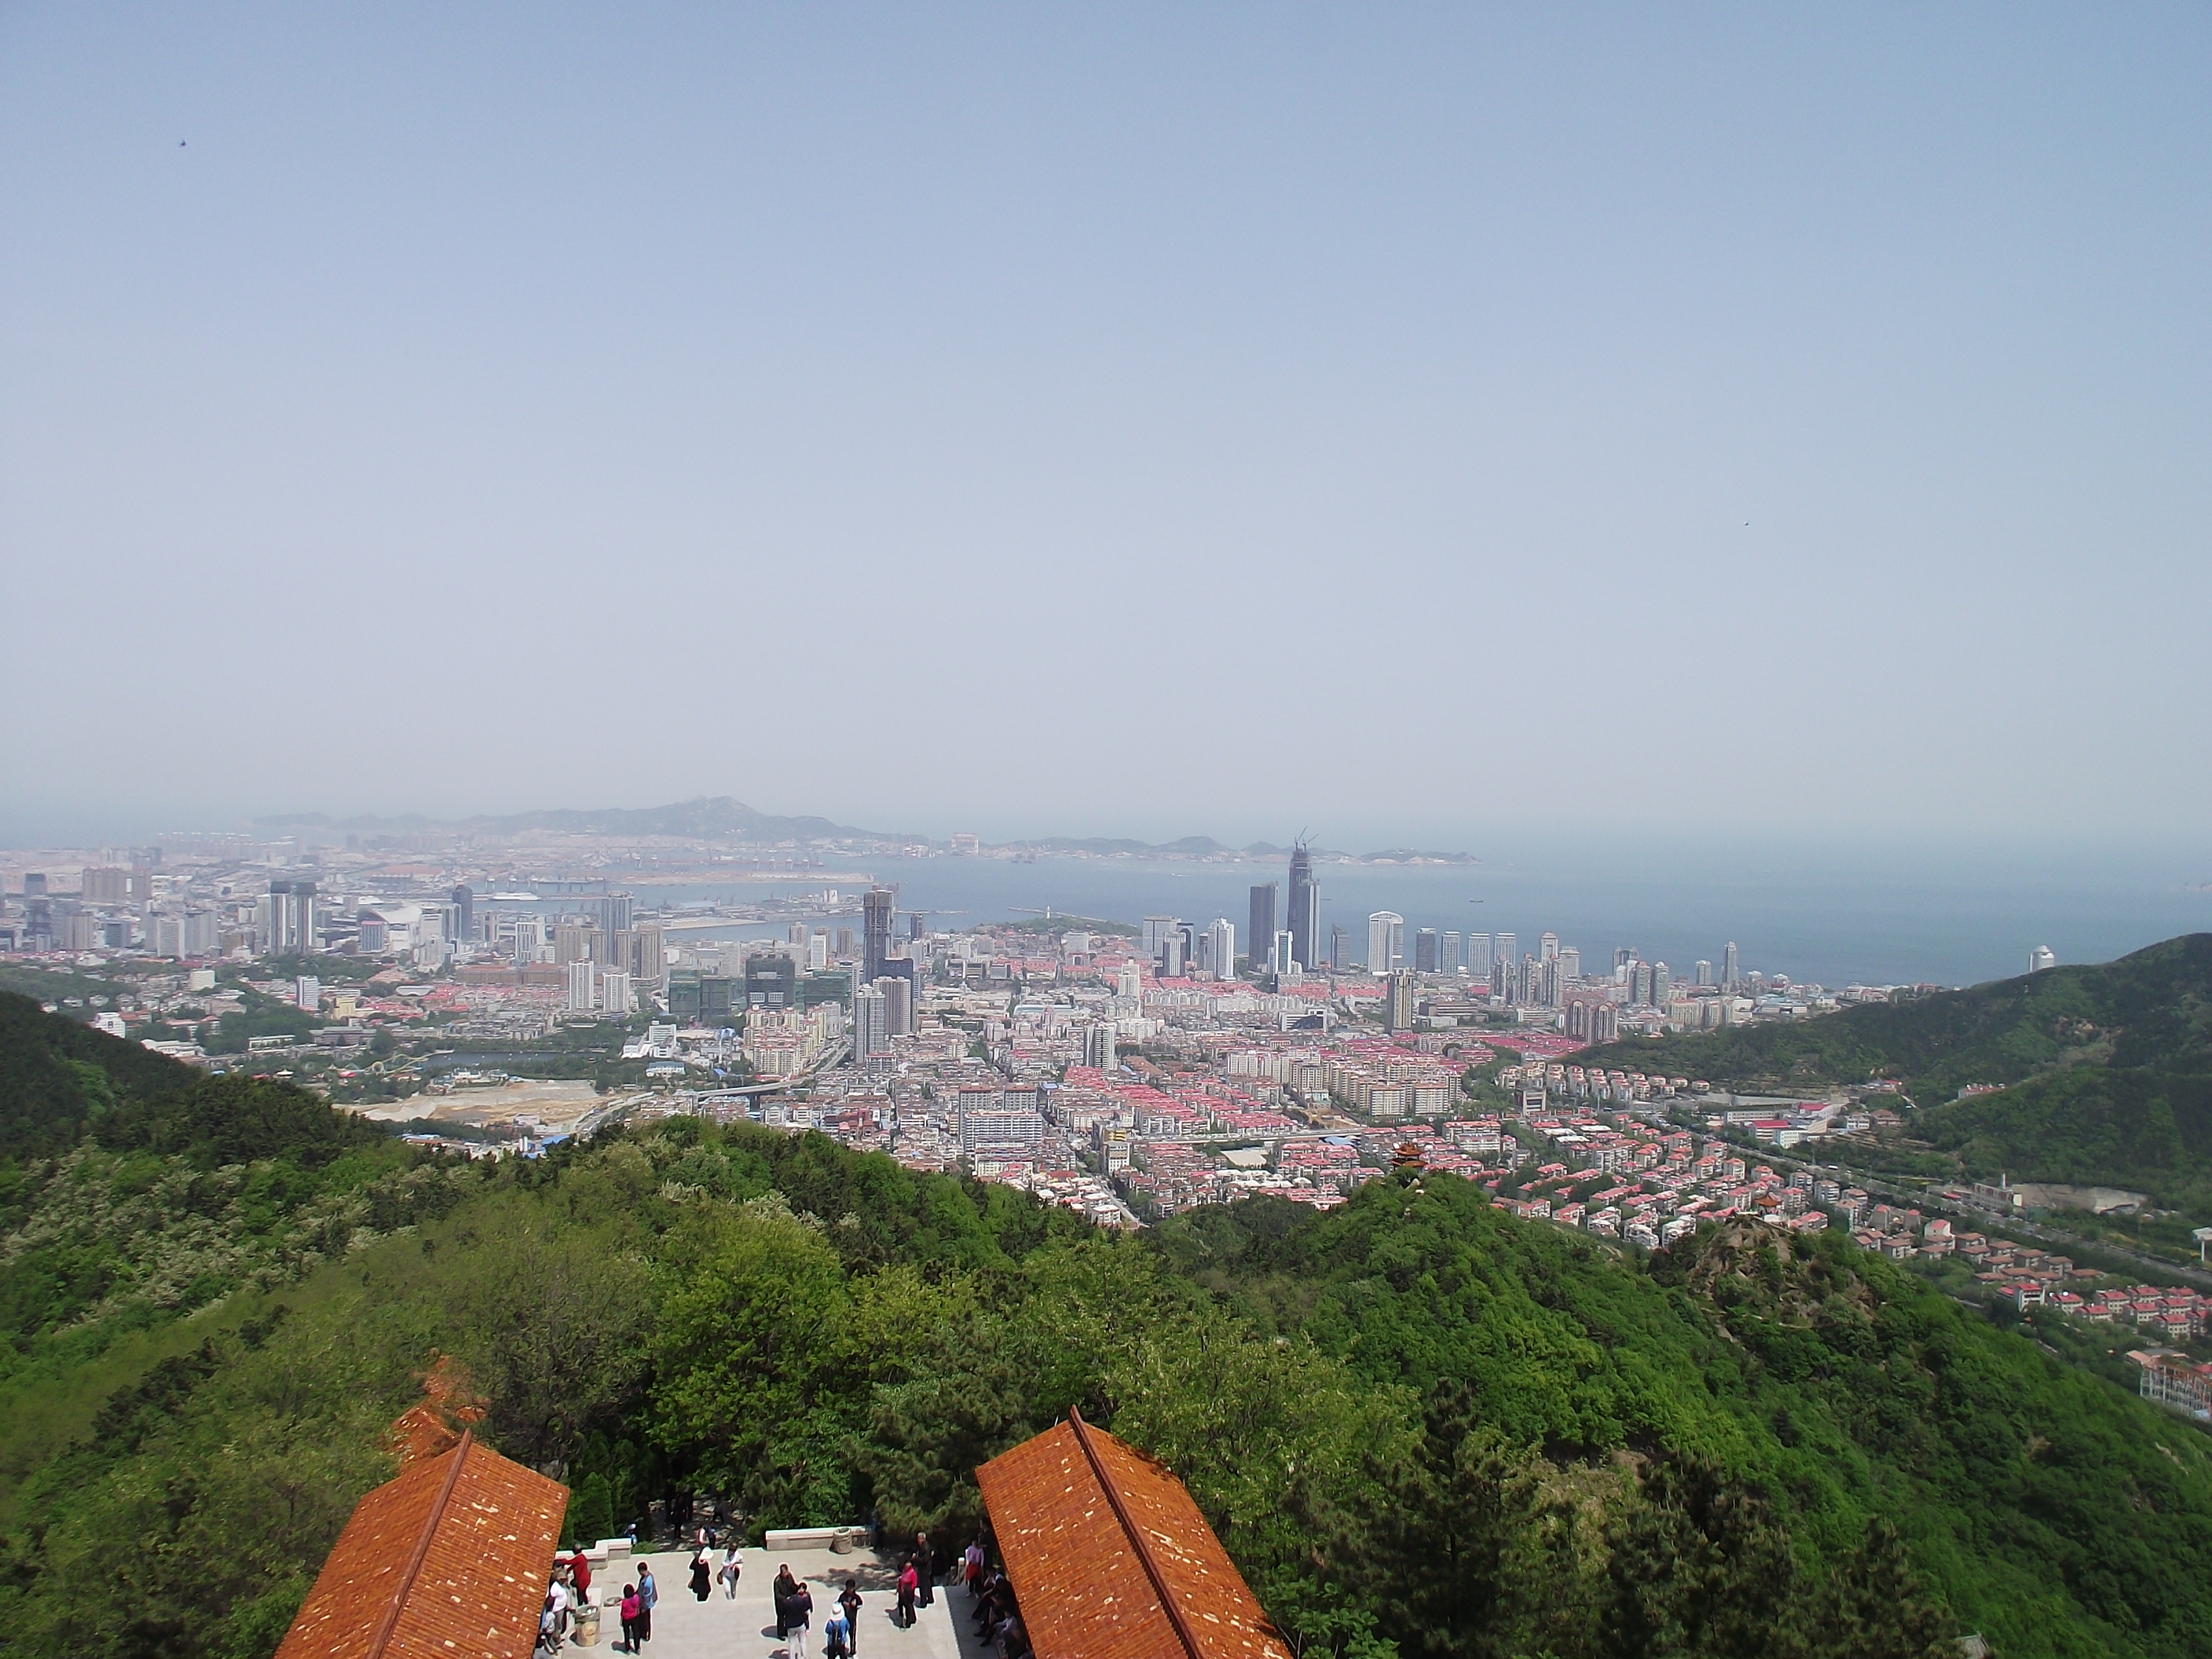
(1110, 1558)
(449, 1560)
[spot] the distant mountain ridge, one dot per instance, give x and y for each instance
(716, 817)
(723, 817)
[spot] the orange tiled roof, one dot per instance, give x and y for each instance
(1110, 1559)
(448, 1561)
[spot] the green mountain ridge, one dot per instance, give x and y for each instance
(1421, 1425)
(2104, 1071)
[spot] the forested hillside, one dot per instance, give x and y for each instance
(1421, 1427)
(2109, 1067)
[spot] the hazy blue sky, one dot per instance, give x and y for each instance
(1409, 422)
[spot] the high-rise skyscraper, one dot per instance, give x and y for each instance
(1571, 963)
(648, 954)
(1508, 952)
(1284, 957)
(1661, 988)
(1424, 950)
(1259, 926)
(1729, 977)
(288, 918)
(1548, 947)
(1704, 971)
(1398, 1001)
(1479, 958)
(1304, 919)
(1222, 947)
(1386, 941)
(1339, 943)
(1156, 929)
(876, 933)
(1450, 956)
(616, 995)
(898, 1005)
(583, 983)
(529, 934)
(871, 1024)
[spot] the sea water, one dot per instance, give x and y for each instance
(1946, 914)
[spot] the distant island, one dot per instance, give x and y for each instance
(723, 819)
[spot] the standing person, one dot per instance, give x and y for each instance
(837, 1635)
(649, 1597)
(730, 1573)
(556, 1602)
(630, 1619)
(971, 1567)
(548, 1640)
(848, 1598)
(925, 1568)
(802, 1614)
(786, 1586)
(703, 1577)
(579, 1575)
(909, 1581)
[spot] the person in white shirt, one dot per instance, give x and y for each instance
(557, 1597)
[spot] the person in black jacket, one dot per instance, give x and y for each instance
(785, 1588)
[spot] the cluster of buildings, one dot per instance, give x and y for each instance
(1123, 1072)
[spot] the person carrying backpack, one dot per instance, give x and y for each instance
(837, 1636)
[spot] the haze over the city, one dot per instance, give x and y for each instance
(1421, 425)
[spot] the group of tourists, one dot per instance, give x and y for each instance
(570, 1592)
(794, 1617)
(990, 1595)
(567, 1594)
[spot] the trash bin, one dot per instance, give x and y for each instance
(840, 1542)
(587, 1625)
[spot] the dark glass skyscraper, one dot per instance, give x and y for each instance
(1304, 921)
(875, 932)
(1260, 937)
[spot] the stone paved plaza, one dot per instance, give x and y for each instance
(745, 1628)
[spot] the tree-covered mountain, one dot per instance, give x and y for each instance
(1421, 1427)
(2107, 1069)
